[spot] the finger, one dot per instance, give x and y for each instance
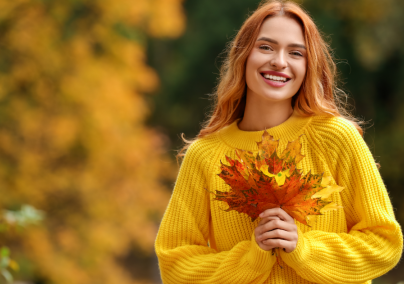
(278, 243)
(277, 212)
(267, 219)
(276, 234)
(287, 246)
(264, 246)
(275, 224)
(279, 224)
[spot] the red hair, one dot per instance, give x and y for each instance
(318, 94)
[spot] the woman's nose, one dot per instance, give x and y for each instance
(279, 60)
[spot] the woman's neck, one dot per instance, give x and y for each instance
(262, 114)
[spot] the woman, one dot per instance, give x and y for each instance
(279, 76)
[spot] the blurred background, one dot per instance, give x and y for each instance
(93, 98)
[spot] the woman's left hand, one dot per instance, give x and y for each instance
(278, 229)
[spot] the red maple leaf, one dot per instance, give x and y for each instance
(267, 180)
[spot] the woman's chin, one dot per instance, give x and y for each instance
(275, 97)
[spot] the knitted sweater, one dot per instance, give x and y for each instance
(198, 242)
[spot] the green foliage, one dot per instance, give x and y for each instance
(27, 215)
(5, 263)
(189, 66)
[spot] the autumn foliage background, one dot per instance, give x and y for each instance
(73, 139)
(94, 95)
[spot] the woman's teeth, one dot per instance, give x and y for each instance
(275, 78)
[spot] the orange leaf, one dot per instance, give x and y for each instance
(266, 180)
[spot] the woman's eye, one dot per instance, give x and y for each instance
(296, 53)
(265, 47)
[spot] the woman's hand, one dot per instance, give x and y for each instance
(276, 229)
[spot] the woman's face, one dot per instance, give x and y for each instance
(277, 63)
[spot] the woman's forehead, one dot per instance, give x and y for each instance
(282, 30)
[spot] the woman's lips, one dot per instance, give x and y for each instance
(273, 83)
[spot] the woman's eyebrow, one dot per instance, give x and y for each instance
(275, 42)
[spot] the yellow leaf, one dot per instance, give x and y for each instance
(264, 170)
(311, 219)
(330, 207)
(326, 192)
(279, 177)
(326, 181)
(267, 146)
(292, 151)
(246, 157)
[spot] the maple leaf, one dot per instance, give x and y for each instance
(267, 180)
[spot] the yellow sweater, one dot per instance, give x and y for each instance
(198, 242)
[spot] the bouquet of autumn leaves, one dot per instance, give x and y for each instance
(268, 180)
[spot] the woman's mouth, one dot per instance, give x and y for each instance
(275, 81)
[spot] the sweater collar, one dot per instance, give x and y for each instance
(288, 130)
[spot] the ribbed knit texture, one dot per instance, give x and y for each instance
(198, 242)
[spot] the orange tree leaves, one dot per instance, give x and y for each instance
(73, 137)
(268, 180)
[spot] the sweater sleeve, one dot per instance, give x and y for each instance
(182, 240)
(374, 242)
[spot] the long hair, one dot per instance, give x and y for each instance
(318, 94)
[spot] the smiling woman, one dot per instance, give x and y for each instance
(278, 77)
(275, 71)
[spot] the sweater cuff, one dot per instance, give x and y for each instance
(259, 260)
(300, 256)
